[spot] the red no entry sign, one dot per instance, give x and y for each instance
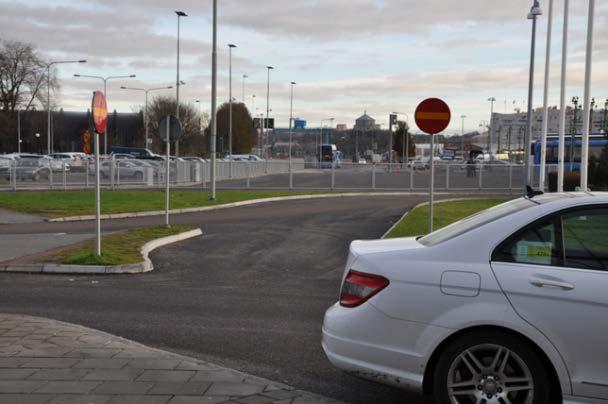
(432, 116)
(100, 112)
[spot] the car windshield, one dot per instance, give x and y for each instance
(472, 222)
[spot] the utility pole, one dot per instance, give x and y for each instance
(230, 47)
(213, 100)
(573, 132)
(177, 81)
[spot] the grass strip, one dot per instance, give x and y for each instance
(416, 223)
(77, 203)
(117, 249)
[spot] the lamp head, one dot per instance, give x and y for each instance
(82, 61)
(132, 75)
(181, 14)
(231, 45)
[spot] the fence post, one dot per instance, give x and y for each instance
(333, 176)
(13, 174)
(112, 169)
(411, 179)
(290, 175)
(86, 173)
(50, 175)
(118, 174)
(248, 175)
(65, 175)
(373, 176)
(480, 176)
(266, 167)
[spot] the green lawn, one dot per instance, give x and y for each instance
(76, 203)
(416, 223)
(117, 249)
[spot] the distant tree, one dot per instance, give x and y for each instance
(398, 146)
(243, 133)
(193, 125)
(22, 77)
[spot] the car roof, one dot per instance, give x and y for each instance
(571, 196)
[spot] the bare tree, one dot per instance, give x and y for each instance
(193, 124)
(23, 78)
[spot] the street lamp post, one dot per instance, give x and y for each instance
(463, 117)
(587, 122)
(48, 97)
(535, 11)
(562, 103)
(146, 115)
(18, 131)
(543, 146)
(267, 123)
(244, 77)
(105, 92)
(293, 83)
(179, 15)
(492, 100)
(230, 47)
(213, 122)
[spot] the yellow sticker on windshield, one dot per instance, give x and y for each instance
(534, 252)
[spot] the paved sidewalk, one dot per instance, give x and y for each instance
(47, 361)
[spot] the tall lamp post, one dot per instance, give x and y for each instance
(230, 47)
(492, 101)
(267, 123)
(105, 92)
(543, 146)
(146, 114)
(535, 11)
(179, 15)
(587, 121)
(293, 83)
(213, 122)
(244, 77)
(48, 97)
(463, 117)
(562, 101)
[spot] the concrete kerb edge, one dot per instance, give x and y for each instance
(141, 267)
(418, 206)
(235, 205)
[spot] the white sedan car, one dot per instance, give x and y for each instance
(507, 306)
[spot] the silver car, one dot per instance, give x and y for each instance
(507, 306)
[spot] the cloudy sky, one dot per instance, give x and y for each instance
(347, 56)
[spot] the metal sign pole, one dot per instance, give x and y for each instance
(97, 199)
(432, 184)
(168, 172)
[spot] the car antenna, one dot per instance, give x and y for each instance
(531, 193)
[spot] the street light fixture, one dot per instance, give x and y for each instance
(105, 88)
(535, 11)
(146, 117)
(293, 83)
(48, 96)
(179, 15)
(268, 68)
(230, 47)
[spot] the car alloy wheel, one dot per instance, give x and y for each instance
(487, 374)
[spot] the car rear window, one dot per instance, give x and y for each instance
(472, 222)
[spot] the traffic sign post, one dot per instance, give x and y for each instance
(99, 116)
(169, 130)
(432, 116)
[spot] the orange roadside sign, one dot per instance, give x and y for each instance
(99, 110)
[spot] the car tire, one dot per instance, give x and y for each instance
(522, 363)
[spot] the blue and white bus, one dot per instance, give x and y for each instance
(597, 143)
(330, 156)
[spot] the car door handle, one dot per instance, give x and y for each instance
(541, 283)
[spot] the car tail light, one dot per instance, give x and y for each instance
(359, 287)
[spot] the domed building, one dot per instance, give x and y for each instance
(365, 123)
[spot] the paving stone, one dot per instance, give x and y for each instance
(68, 387)
(113, 387)
(154, 364)
(79, 399)
(255, 400)
(112, 363)
(15, 374)
(140, 399)
(282, 394)
(114, 374)
(20, 386)
(58, 374)
(180, 389)
(55, 363)
(166, 375)
(25, 398)
(217, 376)
(92, 353)
(191, 365)
(233, 389)
(199, 400)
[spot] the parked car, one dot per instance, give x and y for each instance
(32, 167)
(194, 159)
(56, 164)
(74, 160)
(506, 306)
(124, 168)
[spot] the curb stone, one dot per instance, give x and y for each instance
(141, 267)
(239, 204)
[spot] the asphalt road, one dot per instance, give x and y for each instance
(249, 294)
